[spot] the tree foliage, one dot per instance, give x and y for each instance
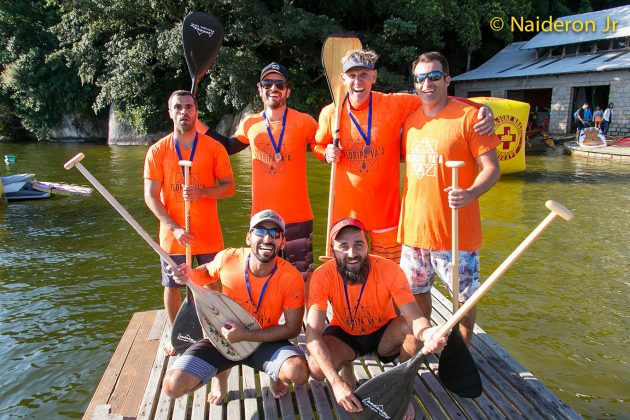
(81, 56)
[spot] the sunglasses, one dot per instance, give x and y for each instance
(433, 76)
(280, 84)
(262, 232)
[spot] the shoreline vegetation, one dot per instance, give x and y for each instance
(68, 68)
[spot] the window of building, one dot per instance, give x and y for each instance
(620, 43)
(603, 45)
(556, 51)
(571, 49)
(476, 93)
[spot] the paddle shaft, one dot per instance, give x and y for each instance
(186, 164)
(454, 165)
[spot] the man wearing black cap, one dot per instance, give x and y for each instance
(266, 286)
(278, 137)
(362, 290)
(368, 157)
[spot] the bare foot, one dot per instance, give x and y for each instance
(218, 388)
(278, 388)
(347, 374)
(169, 350)
(411, 413)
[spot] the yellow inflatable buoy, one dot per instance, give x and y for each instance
(510, 124)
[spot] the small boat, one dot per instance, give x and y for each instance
(11, 179)
(61, 188)
(22, 191)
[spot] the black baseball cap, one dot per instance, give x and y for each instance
(275, 68)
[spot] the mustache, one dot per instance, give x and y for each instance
(353, 277)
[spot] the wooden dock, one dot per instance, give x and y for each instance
(611, 153)
(131, 385)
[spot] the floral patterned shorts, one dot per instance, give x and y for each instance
(421, 265)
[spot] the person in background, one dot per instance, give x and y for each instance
(164, 193)
(598, 116)
(608, 117)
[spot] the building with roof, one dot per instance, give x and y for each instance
(572, 60)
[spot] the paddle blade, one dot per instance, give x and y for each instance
(387, 395)
(457, 369)
(186, 328)
(202, 36)
(333, 50)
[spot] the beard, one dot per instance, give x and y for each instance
(350, 276)
(265, 258)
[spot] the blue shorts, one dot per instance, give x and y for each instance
(167, 279)
(204, 361)
(421, 265)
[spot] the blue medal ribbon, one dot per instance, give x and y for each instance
(366, 137)
(276, 147)
(356, 308)
(264, 288)
(192, 151)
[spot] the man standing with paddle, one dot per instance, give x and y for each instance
(440, 131)
(278, 138)
(362, 290)
(211, 180)
(368, 156)
(266, 286)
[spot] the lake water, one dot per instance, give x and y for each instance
(72, 273)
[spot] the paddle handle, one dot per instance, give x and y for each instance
(454, 165)
(556, 210)
(331, 189)
(186, 164)
(76, 162)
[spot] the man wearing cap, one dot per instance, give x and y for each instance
(266, 286)
(368, 159)
(164, 193)
(278, 138)
(439, 131)
(362, 290)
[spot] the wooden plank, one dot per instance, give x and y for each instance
(180, 407)
(269, 402)
(322, 406)
(234, 394)
(159, 325)
(305, 408)
(200, 403)
(340, 413)
(133, 379)
(165, 403)
(112, 372)
(154, 383)
(286, 406)
(249, 393)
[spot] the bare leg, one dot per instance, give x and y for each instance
(467, 324)
(218, 388)
(278, 388)
(172, 302)
(295, 370)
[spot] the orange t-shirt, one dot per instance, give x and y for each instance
(280, 185)
(385, 284)
(284, 291)
(428, 143)
(210, 163)
(367, 187)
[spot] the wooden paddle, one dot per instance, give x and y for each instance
(202, 36)
(213, 309)
(333, 50)
(388, 394)
(457, 369)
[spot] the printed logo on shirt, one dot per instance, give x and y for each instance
(361, 162)
(179, 186)
(266, 156)
(364, 320)
(422, 158)
(260, 316)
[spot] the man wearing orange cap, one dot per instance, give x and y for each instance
(362, 290)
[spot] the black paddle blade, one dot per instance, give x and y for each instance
(457, 369)
(186, 328)
(202, 36)
(387, 395)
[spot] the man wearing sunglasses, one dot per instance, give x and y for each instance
(268, 287)
(278, 138)
(439, 131)
(368, 157)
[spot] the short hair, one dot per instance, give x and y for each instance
(360, 55)
(181, 92)
(427, 57)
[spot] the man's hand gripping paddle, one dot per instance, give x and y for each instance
(333, 50)
(388, 394)
(213, 309)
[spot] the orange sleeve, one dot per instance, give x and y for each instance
(222, 167)
(323, 137)
(399, 287)
(294, 295)
(241, 131)
(153, 168)
(466, 101)
(477, 143)
(317, 296)
(212, 270)
(310, 128)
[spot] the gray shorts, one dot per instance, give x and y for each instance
(298, 248)
(167, 280)
(204, 361)
(421, 265)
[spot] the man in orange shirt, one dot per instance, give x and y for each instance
(164, 193)
(278, 138)
(362, 290)
(368, 159)
(265, 285)
(439, 131)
